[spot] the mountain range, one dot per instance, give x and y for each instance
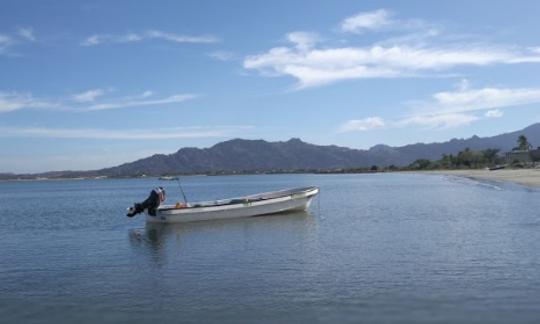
(240, 155)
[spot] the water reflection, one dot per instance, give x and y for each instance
(161, 241)
(381, 248)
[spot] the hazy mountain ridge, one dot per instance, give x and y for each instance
(239, 155)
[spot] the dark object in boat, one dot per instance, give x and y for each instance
(157, 196)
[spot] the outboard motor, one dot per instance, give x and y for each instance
(157, 196)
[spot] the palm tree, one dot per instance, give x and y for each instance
(523, 143)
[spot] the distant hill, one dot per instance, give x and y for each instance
(239, 155)
(504, 142)
(6, 176)
(246, 155)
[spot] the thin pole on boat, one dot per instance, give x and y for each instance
(181, 189)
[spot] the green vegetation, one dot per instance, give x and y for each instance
(523, 144)
(471, 159)
(466, 159)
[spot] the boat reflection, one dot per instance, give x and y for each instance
(159, 240)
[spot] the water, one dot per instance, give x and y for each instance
(372, 248)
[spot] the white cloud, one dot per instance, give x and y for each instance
(223, 55)
(87, 101)
(147, 94)
(8, 41)
(383, 20)
(26, 33)
(180, 38)
(454, 108)
(482, 99)
(314, 63)
(365, 21)
(461, 107)
(14, 101)
(495, 113)
(416, 38)
(88, 96)
(303, 40)
(93, 40)
(434, 121)
(439, 121)
(147, 35)
(177, 98)
(129, 134)
(362, 124)
(316, 67)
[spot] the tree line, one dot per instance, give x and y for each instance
(469, 159)
(466, 159)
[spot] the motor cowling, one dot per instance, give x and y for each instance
(151, 204)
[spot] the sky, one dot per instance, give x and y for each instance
(86, 85)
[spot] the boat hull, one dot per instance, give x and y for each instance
(293, 202)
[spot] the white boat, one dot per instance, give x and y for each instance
(253, 205)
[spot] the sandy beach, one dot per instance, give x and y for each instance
(527, 177)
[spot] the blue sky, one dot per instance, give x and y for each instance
(90, 85)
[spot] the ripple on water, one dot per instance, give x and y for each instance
(373, 248)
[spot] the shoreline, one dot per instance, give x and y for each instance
(524, 177)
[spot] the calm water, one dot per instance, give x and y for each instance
(372, 248)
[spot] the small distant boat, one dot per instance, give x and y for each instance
(274, 202)
(167, 178)
(497, 167)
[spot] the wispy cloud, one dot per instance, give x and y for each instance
(147, 93)
(10, 101)
(434, 121)
(495, 113)
(224, 56)
(362, 124)
(365, 21)
(315, 63)
(439, 121)
(303, 40)
(123, 103)
(88, 96)
(316, 67)
(128, 134)
(87, 101)
(466, 99)
(98, 39)
(450, 109)
(463, 106)
(8, 41)
(379, 20)
(26, 33)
